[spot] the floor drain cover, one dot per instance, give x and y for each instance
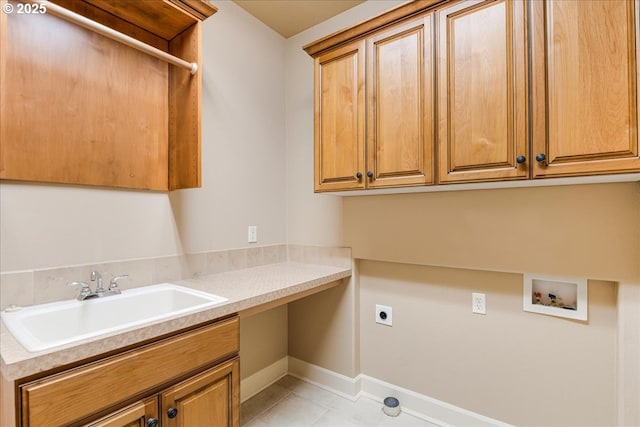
(391, 406)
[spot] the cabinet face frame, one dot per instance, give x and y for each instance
(454, 166)
(605, 158)
(339, 146)
(401, 154)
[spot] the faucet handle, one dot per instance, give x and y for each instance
(85, 291)
(113, 284)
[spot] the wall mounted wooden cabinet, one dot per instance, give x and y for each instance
(482, 91)
(339, 118)
(400, 107)
(399, 134)
(572, 102)
(80, 108)
(585, 87)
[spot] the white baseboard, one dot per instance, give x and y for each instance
(337, 383)
(262, 379)
(416, 404)
(425, 407)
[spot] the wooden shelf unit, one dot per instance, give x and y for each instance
(79, 108)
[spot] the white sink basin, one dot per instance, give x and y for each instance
(44, 326)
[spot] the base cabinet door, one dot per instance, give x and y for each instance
(208, 399)
(482, 91)
(585, 87)
(141, 414)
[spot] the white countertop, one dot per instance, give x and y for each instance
(245, 289)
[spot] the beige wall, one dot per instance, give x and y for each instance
(317, 219)
(243, 172)
(323, 329)
(312, 219)
(243, 179)
(243, 144)
(590, 231)
(515, 366)
(263, 340)
(585, 230)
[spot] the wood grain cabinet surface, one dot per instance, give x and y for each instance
(209, 399)
(585, 87)
(482, 91)
(80, 108)
(339, 119)
(395, 148)
(511, 89)
(400, 105)
(185, 380)
(141, 414)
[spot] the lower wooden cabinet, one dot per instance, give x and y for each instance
(190, 379)
(140, 414)
(208, 399)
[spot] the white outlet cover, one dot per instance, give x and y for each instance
(252, 234)
(478, 303)
(388, 321)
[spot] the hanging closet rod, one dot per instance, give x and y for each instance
(61, 12)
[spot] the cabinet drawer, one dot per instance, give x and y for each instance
(71, 395)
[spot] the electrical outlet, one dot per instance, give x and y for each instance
(384, 315)
(253, 234)
(478, 303)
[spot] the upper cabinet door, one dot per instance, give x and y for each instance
(400, 99)
(585, 87)
(482, 91)
(339, 119)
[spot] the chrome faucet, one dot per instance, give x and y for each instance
(97, 277)
(87, 293)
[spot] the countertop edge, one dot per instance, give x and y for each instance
(245, 289)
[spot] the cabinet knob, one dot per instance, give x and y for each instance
(172, 412)
(359, 175)
(370, 174)
(152, 422)
(541, 157)
(521, 159)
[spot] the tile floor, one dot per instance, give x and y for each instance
(295, 403)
